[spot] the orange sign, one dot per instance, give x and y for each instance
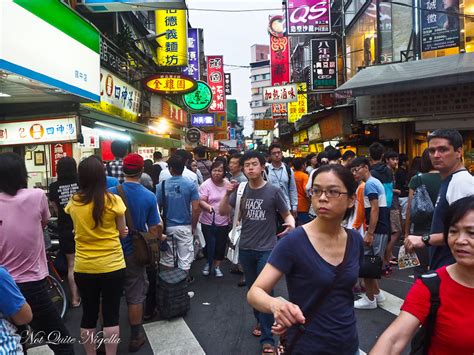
(266, 125)
(170, 83)
(174, 113)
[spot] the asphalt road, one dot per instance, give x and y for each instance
(220, 320)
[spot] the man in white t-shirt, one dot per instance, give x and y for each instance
(188, 174)
(445, 148)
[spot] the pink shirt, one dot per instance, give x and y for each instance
(213, 194)
(21, 234)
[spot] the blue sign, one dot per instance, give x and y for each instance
(192, 69)
(231, 133)
(202, 120)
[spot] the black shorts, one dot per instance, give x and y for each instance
(67, 245)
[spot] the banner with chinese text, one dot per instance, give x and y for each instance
(215, 79)
(174, 113)
(192, 69)
(280, 70)
(280, 94)
(172, 25)
(58, 151)
(439, 24)
(323, 71)
(308, 17)
(297, 109)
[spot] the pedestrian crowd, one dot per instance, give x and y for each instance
(329, 223)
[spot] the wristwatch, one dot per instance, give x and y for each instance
(426, 239)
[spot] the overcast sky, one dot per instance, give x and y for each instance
(232, 34)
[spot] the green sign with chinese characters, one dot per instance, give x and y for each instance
(199, 99)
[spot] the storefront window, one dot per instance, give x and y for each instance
(467, 25)
(361, 41)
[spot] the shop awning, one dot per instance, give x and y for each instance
(409, 76)
(150, 139)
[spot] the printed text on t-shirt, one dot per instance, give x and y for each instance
(254, 209)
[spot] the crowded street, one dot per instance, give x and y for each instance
(236, 177)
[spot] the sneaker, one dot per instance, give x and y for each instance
(365, 303)
(205, 271)
(218, 272)
(380, 297)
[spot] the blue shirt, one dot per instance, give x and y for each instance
(333, 330)
(11, 301)
(179, 193)
(144, 210)
(374, 190)
(111, 182)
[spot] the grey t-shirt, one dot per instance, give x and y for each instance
(259, 216)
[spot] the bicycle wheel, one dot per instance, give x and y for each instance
(57, 295)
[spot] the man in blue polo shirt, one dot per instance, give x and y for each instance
(144, 212)
(180, 202)
(445, 148)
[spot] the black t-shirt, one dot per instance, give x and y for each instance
(61, 193)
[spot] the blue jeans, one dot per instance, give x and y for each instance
(252, 262)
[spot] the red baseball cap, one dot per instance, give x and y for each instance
(133, 164)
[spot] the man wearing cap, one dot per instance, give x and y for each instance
(144, 212)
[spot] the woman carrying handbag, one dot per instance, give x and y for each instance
(321, 263)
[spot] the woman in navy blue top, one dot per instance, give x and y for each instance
(309, 256)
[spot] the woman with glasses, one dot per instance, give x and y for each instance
(321, 263)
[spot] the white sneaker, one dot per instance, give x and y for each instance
(205, 271)
(365, 303)
(218, 272)
(380, 297)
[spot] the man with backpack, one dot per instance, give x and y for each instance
(143, 208)
(204, 164)
(446, 153)
(280, 175)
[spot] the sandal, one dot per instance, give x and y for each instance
(77, 305)
(257, 331)
(268, 349)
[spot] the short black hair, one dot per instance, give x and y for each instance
(348, 154)
(218, 163)
(321, 156)
(252, 154)
(456, 211)
(66, 169)
(298, 163)
(235, 156)
(157, 155)
(452, 135)
(13, 174)
(274, 146)
(333, 153)
(185, 155)
(376, 151)
(391, 154)
(200, 151)
(176, 162)
(360, 161)
(119, 148)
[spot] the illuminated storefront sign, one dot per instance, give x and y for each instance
(280, 94)
(172, 46)
(308, 17)
(39, 131)
(297, 109)
(439, 24)
(202, 120)
(263, 125)
(314, 132)
(174, 113)
(117, 97)
(192, 69)
(199, 99)
(169, 83)
(215, 79)
(323, 71)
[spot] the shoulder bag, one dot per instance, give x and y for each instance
(319, 301)
(422, 339)
(422, 208)
(234, 234)
(146, 247)
(371, 267)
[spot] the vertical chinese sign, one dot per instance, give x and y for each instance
(323, 72)
(280, 70)
(297, 109)
(192, 69)
(172, 27)
(215, 79)
(59, 151)
(308, 17)
(439, 24)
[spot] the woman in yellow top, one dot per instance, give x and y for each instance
(99, 265)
